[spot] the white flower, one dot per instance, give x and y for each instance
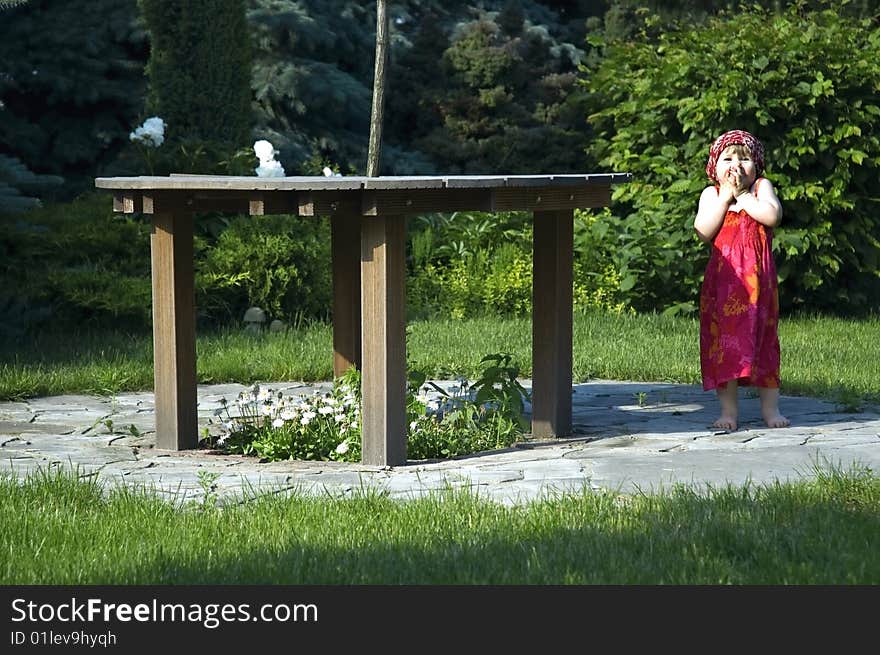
(326, 409)
(413, 426)
(264, 394)
(288, 414)
(264, 150)
(151, 133)
(342, 448)
(268, 167)
(266, 410)
(277, 423)
(339, 418)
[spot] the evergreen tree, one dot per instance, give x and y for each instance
(502, 96)
(199, 70)
(19, 186)
(312, 79)
(71, 85)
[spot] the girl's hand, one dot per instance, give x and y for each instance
(728, 185)
(738, 181)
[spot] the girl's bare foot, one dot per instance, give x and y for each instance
(727, 395)
(776, 420)
(725, 423)
(770, 408)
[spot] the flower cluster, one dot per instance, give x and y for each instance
(268, 167)
(463, 419)
(151, 134)
(273, 426)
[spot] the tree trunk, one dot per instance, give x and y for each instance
(378, 110)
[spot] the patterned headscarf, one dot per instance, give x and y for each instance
(735, 137)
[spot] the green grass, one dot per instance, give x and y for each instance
(59, 529)
(826, 357)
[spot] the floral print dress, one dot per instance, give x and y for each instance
(739, 306)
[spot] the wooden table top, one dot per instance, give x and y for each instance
(355, 183)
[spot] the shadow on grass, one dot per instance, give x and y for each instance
(818, 532)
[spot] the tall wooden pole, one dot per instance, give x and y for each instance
(378, 89)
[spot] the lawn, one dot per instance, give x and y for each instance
(59, 529)
(821, 356)
(62, 530)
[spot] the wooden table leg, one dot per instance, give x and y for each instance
(345, 240)
(383, 381)
(552, 323)
(174, 331)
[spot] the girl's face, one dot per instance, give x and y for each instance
(736, 158)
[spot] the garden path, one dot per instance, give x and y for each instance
(628, 437)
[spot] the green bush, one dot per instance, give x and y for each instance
(76, 262)
(470, 264)
(80, 263)
(280, 263)
(807, 83)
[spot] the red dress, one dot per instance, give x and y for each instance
(739, 306)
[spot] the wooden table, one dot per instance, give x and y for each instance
(368, 239)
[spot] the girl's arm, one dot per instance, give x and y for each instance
(763, 207)
(712, 210)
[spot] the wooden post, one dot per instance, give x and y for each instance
(552, 323)
(379, 78)
(174, 331)
(383, 381)
(345, 240)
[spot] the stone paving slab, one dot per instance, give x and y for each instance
(629, 437)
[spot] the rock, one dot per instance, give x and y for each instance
(254, 318)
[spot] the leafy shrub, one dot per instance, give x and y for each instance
(280, 263)
(80, 262)
(76, 262)
(807, 83)
(464, 265)
(487, 415)
(469, 263)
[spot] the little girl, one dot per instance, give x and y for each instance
(739, 301)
